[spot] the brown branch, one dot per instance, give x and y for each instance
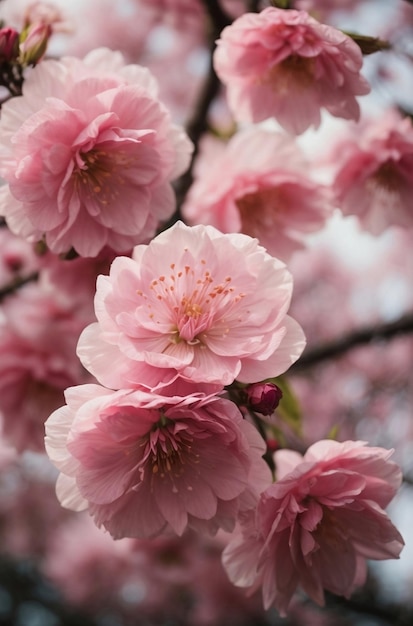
(371, 605)
(408, 480)
(198, 123)
(359, 337)
(253, 6)
(16, 284)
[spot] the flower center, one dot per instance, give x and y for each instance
(294, 69)
(258, 210)
(330, 531)
(100, 174)
(190, 300)
(170, 453)
(388, 176)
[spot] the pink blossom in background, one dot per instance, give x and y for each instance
(234, 8)
(38, 335)
(374, 178)
(124, 25)
(284, 64)
(88, 153)
(44, 13)
(74, 281)
(183, 15)
(87, 566)
(161, 579)
(370, 388)
(142, 463)
(316, 526)
(179, 67)
(323, 284)
(266, 192)
(167, 38)
(32, 385)
(194, 304)
(326, 9)
(17, 258)
(29, 510)
(20, 13)
(8, 454)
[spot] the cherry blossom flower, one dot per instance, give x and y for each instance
(266, 191)
(88, 153)
(284, 64)
(142, 463)
(375, 175)
(317, 525)
(196, 304)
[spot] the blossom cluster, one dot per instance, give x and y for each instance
(88, 152)
(159, 399)
(176, 322)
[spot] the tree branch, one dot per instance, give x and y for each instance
(359, 337)
(16, 284)
(198, 123)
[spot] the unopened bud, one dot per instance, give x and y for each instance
(263, 397)
(9, 43)
(33, 43)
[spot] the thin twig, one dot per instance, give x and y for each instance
(198, 123)
(16, 284)
(362, 336)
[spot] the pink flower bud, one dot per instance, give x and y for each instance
(264, 397)
(33, 42)
(8, 43)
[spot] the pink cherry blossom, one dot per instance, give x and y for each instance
(196, 304)
(142, 463)
(284, 64)
(316, 526)
(266, 191)
(88, 153)
(375, 175)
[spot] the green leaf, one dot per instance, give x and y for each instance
(333, 432)
(369, 45)
(281, 4)
(289, 410)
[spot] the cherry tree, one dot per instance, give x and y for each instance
(206, 311)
